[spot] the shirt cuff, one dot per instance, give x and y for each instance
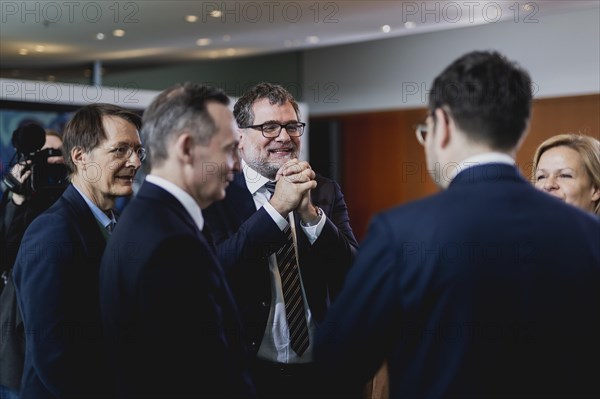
(276, 216)
(313, 232)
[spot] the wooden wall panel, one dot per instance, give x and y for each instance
(383, 165)
(552, 116)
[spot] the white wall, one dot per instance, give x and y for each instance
(128, 97)
(561, 52)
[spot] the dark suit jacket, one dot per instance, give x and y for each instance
(166, 305)
(14, 220)
(490, 288)
(56, 279)
(246, 237)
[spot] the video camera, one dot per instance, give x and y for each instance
(28, 141)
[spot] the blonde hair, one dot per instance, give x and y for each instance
(588, 149)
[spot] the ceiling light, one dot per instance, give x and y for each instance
(410, 25)
(204, 41)
(23, 51)
(216, 13)
(39, 48)
(100, 36)
(118, 33)
(191, 18)
(230, 51)
(386, 28)
(312, 39)
(226, 38)
(213, 54)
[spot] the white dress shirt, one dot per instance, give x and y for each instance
(275, 345)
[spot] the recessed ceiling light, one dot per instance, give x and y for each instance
(191, 18)
(386, 28)
(118, 33)
(312, 39)
(230, 51)
(226, 38)
(410, 25)
(203, 41)
(39, 48)
(216, 13)
(100, 36)
(23, 51)
(213, 54)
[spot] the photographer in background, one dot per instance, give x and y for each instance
(17, 210)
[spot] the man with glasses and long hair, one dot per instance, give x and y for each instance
(284, 238)
(56, 270)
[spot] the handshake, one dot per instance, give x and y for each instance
(294, 180)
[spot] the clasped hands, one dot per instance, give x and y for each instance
(294, 180)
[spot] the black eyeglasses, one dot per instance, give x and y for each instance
(125, 151)
(421, 132)
(270, 130)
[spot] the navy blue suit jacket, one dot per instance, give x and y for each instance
(56, 279)
(171, 324)
(490, 288)
(246, 237)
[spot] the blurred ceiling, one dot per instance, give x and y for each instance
(63, 34)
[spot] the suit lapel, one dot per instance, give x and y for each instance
(239, 200)
(93, 231)
(153, 192)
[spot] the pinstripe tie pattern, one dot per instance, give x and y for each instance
(292, 292)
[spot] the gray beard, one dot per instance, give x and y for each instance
(266, 169)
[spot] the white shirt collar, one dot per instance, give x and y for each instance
(481, 159)
(188, 202)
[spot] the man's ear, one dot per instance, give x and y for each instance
(241, 136)
(184, 145)
(79, 157)
(443, 132)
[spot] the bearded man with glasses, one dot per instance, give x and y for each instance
(284, 238)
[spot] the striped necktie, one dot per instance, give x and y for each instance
(292, 290)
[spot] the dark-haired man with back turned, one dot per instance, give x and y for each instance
(490, 288)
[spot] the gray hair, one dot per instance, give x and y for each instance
(275, 93)
(179, 108)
